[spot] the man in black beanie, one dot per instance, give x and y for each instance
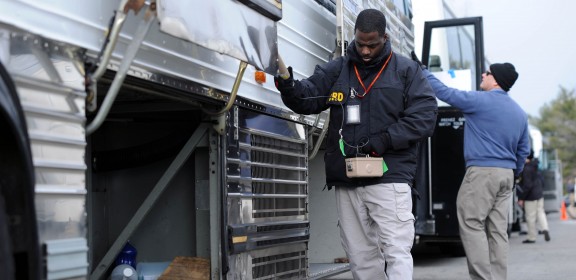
(505, 75)
(496, 144)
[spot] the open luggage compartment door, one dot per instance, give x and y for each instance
(245, 30)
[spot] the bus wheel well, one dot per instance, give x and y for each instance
(6, 258)
(19, 256)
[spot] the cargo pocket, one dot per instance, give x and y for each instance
(335, 166)
(403, 195)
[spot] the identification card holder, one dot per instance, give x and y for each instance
(359, 167)
(353, 112)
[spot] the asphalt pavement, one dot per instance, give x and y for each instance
(542, 260)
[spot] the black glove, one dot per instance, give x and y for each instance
(415, 58)
(377, 145)
(285, 85)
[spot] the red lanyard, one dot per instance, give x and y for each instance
(366, 90)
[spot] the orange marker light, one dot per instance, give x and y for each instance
(260, 77)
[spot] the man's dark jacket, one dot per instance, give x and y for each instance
(531, 182)
(400, 106)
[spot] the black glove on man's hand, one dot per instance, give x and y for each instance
(285, 85)
(377, 145)
(415, 58)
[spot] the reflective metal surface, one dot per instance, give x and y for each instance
(225, 26)
(50, 83)
(181, 64)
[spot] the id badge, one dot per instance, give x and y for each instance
(353, 114)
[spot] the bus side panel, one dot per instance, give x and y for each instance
(50, 84)
(436, 210)
(448, 169)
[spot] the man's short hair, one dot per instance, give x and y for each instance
(371, 20)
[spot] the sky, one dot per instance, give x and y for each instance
(538, 37)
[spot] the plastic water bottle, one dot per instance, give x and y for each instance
(124, 272)
(127, 256)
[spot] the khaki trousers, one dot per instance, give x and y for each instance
(377, 230)
(483, 205)
(535, 213)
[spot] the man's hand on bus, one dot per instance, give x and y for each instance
(285, 83)
(415, 58)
